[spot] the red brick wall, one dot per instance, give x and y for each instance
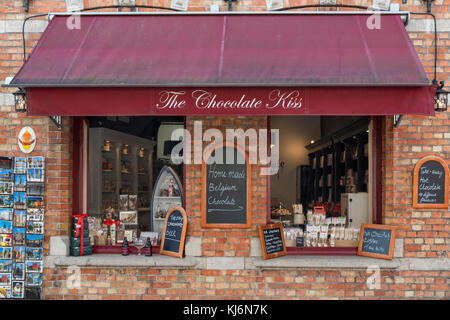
(123, 284)
(221, 242)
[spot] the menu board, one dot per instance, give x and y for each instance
(174, 234)
(377, 241)
(431, 181)
(272, 240)
(226, 188)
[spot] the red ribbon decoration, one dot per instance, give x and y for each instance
(110, 222)
(80, 225)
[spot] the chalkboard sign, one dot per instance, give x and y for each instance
(174, 234)
(430, 183)
(226, 188)
(377, 241)
(272, 240)
(299, 242)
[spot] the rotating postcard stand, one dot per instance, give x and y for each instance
(167, 194)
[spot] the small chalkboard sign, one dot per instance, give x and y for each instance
(272, 240)
(377, 241)
(430, 184)
(226, 188)
(174, 234)
(299, 242)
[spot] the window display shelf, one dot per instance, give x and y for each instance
(119, 164)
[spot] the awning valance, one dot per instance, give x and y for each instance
(330, 64)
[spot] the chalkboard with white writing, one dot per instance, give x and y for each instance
(377, 241)
(226, 189)
(174, 233)
(272, 240)
(430, 183)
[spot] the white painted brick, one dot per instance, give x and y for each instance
(193, 246)
(255, 247)
(225, 263)
(59, 246)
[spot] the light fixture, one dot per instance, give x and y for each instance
(274, 4)
(312, 141)
(272, 145)
(179, 4)
(20, 100)
(441, 97)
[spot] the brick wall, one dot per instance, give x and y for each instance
(135, 284)
(424, 234)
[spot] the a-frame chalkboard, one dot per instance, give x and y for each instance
(174, 234)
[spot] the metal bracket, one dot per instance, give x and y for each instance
(57, 120)
(397, 119)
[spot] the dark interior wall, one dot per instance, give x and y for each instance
(330, 125)
(145, 127)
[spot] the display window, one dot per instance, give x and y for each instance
(130, 180)
(325, 186)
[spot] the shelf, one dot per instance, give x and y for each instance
(107, 170)
(159, 219)
(143, 209)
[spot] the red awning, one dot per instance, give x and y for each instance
(335, 63)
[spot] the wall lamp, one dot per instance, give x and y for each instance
(20, 100)
(441, 97)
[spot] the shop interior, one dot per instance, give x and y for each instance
(131, 173)
(322, 188)
(323, 177)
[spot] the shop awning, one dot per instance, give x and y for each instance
(225, 64)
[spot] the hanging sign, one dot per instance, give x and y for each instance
(272, 240)
(26, 140)
(430, 184)
(226, 188)
(376, 241)
(174, 234)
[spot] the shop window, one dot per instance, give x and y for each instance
(127, 157)
(324, 188)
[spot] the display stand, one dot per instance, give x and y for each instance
(167, 194)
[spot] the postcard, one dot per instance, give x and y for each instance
(35, 162)
(6, 187)
(128, 217)
(35, 202)
(35, 189)
(5, 253)
(132, 201)
(18, 271)
(123, 205)
(35, 227)
(34, 279)
(5, 292)
(19, 218)
(19, 253)
(20, 200)
(20, 182)
(6, 174)
(5, 226)
(32, 293)
(5, 241)
(5, 279)
(35, 175)
(33, 266)
(35, 214)
(6, 162)
(6, 214)
(20, 165)
(34, 240)
(19, 236)
(6, 201)
(17, 289)
(5, 265)
(35, 253)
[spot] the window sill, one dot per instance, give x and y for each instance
(324, 262)
(332, 251)
(115, 260)
(118, 249)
